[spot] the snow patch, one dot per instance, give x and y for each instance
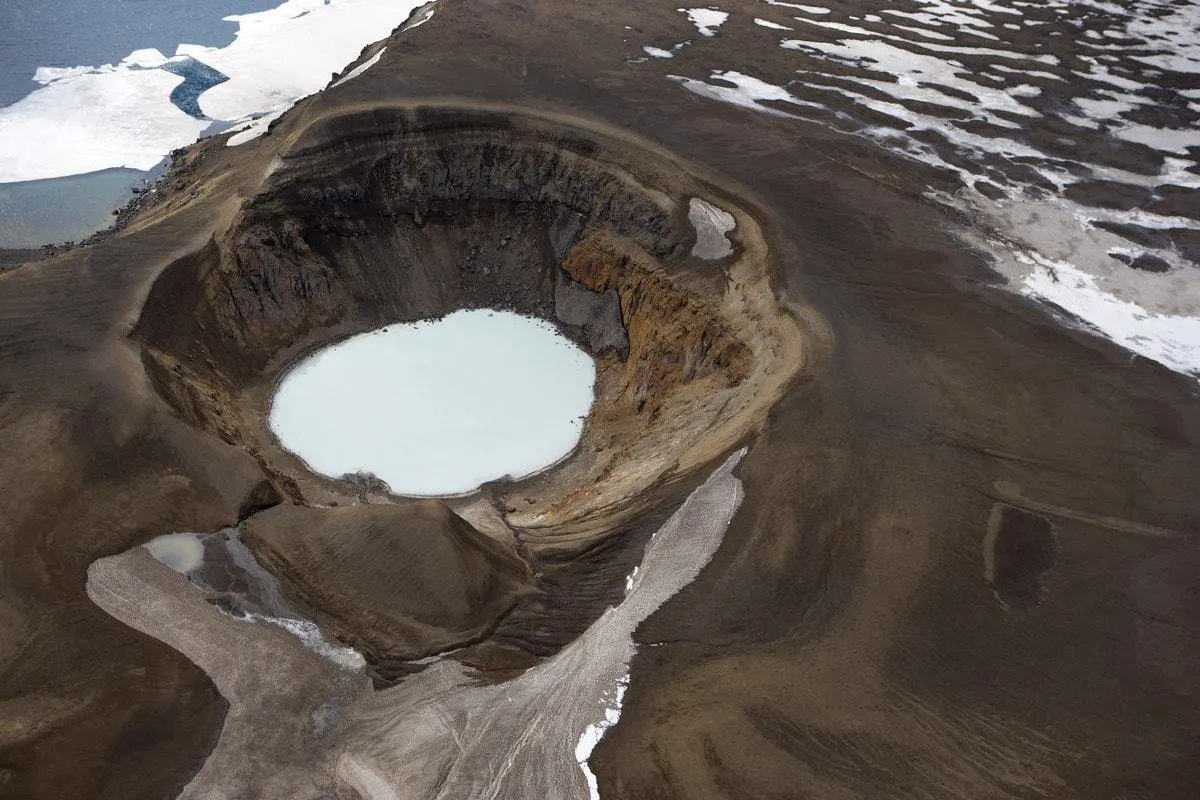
(657, 52)
(310, 635)
(745, 90)
(1173, 341)
(766, 23)
(595, 732)
(711, 225)
(706, 20)
(361, 68)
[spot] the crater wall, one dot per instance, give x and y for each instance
(393, 215)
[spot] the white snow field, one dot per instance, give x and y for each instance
(706, 20)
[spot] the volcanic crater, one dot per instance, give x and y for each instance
(393, 215)
(954, 557)
(396, 215)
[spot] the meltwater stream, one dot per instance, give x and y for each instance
(439, 407)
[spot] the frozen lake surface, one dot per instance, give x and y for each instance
(439, 407)
(115, 96)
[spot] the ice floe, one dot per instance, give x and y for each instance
(89, 118)
(113, 116)
(255, 128)
(290, 51)
(809, 9)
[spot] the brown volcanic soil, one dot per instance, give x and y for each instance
(849, 638)
(396, 583)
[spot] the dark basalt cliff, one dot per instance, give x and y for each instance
(399, 215)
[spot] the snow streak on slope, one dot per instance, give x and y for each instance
(440, 735)
(1080, 119)
(297, 705)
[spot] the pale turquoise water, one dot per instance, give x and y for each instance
(438, 408)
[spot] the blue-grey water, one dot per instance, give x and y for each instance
(68, 33)
(34, 213)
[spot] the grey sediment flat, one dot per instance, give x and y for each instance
(440, 733)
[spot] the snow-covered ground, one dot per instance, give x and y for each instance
(712, 225)
(1170, 340)
(706, 20)
(437, 408)
(1044, 113)
(89, 118)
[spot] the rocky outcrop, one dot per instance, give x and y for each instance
(674, 335)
